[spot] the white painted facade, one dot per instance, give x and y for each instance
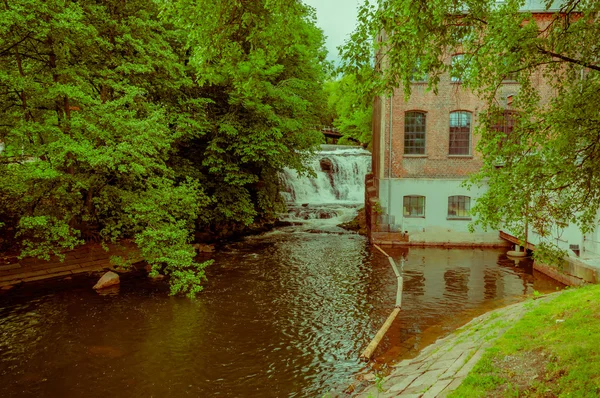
(565, 238)
(436, 225)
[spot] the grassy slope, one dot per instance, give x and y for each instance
(553, 351)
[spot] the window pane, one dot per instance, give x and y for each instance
(414, 206)
(414, 133)
(505, 123)
(460, 133)
(457, 68)
(459, 206)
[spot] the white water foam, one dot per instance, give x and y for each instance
(336, 191)
(344, 183)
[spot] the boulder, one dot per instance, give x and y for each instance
(107, 280)
(326, 165)
(202, 248)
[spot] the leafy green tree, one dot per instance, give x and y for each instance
(351, 110)
(261, 64)
(88, 133)
(151, 119)
(550, 174)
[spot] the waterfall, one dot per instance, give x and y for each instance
(336, 190)
(340, 177)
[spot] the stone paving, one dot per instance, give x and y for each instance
(441, 367)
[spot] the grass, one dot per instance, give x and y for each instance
(553, 351)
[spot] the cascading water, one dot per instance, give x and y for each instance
(336, 191)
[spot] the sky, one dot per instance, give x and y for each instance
(337, 18)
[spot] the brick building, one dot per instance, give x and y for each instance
(417, 186)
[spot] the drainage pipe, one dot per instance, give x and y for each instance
(389, 204)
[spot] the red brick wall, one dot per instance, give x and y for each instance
(437, 162)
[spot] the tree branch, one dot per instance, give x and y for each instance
(568, 59)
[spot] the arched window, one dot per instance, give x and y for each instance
(458, 68)
(417, 75)
(414, 133)
(459, 207)
(414, 206)
(460, 133)
(505, 124)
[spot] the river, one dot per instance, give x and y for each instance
(283, 314)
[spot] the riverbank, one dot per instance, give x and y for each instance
(546, 347)
(88, 258)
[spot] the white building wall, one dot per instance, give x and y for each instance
(436, 226)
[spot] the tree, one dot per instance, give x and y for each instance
(131, 120)
(261, 64)
(550, 172)
(88, 136)
(351, 109)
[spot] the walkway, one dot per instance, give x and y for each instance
(441, 367)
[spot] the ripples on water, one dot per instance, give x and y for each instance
(282, 315)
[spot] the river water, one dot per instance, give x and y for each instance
(283, 314)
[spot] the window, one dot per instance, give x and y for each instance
(505, 124)
(414, 133)
(458, 68)
(460, 133)
(459, 207)
(414, 206)
(509, 76)
(417, 75)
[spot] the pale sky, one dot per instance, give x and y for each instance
(337, 18)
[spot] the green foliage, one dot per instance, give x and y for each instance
(261, 65)
(131, 120)
(546, 171)
(351, 110)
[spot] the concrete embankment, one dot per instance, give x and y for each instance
(441, 367)
(87, 258)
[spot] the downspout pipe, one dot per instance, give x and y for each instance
(390, 162)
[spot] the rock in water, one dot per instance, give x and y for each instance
(107, 280)
(202, 248)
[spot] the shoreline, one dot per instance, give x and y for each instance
(441, 367)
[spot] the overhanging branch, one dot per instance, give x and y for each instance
(568, 59)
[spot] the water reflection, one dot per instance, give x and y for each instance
(445, 288)
(283, 314)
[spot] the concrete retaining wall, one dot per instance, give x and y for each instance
(87, 258)
(572, 273)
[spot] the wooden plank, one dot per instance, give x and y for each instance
(399, 292)
(513, 239)
(368, 352)
(381, 250)
(393, 264)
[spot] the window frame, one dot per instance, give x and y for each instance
(455, 77)
(470, 132)
(505, 124)
(408, 214)
(417, 78)
(424, 148)
(456, 201)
